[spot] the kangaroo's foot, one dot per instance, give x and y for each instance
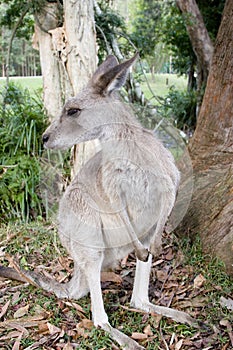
(175, 315)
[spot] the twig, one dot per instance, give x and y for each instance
(18, 23)
(163, 339)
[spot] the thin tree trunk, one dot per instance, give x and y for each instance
(200, 40)
(46, 21)
(79, 29)
(11, 41)
(211, 210)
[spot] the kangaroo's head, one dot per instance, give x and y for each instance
(85, 116)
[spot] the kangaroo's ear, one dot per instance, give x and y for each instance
(105, 66)
(114, 78)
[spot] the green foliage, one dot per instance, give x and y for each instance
(22, 122)
(24, 59)
(180, 107)
(10, 13)
(173, 34)
(144, 33)
(109, 24)
(157, 21)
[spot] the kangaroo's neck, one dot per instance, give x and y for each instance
(120, 131)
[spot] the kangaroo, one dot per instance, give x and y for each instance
(120, 199)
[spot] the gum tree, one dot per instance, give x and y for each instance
(211, 211)
(65, 37)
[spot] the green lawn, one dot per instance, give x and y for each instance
(160, 86)
(32, 83)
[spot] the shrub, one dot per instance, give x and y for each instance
(180, 106)
(22, 122)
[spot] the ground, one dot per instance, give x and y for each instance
(181, 278)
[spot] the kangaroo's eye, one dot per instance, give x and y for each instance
(73, 111)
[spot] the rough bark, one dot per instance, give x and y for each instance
(81, 62)
(67, 52)
(80, 33)
(211, 210)
(200, 40)
(68, 57)
(46, 21)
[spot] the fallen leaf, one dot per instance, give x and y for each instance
(74, 305)
(147, 330)
(228, 303)
(139, 336)
(108, 276)
(124, 261)
(53, 329)
(179, 344)
(158, 262)
(87, 324)
(199, 281)
(37, 345)
(81, 331)
(170, 285)
(16, 345)
(157, 318)
(21, 311)
(161, 275)
(68, 347)
(21, 329)
(15, 298)
(39, 310)
(10, 335)
(5, 308)
(225, 323)
(43, 328)
(169, 255)
(194, 302)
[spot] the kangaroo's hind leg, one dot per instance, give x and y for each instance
(140, 297)
(92, 272)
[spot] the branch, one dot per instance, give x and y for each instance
(108, 48)
(23, 14)
(198, 34)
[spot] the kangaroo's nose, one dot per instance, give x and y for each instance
(45, 138)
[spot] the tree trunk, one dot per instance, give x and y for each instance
(80, 33)
(211, 211)
(68, 57)
(200, 40)
(67, 53)
(46, 21)
(81, 62)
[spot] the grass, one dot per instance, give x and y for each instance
(35, 246)
(160, 86)
(31, 83)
